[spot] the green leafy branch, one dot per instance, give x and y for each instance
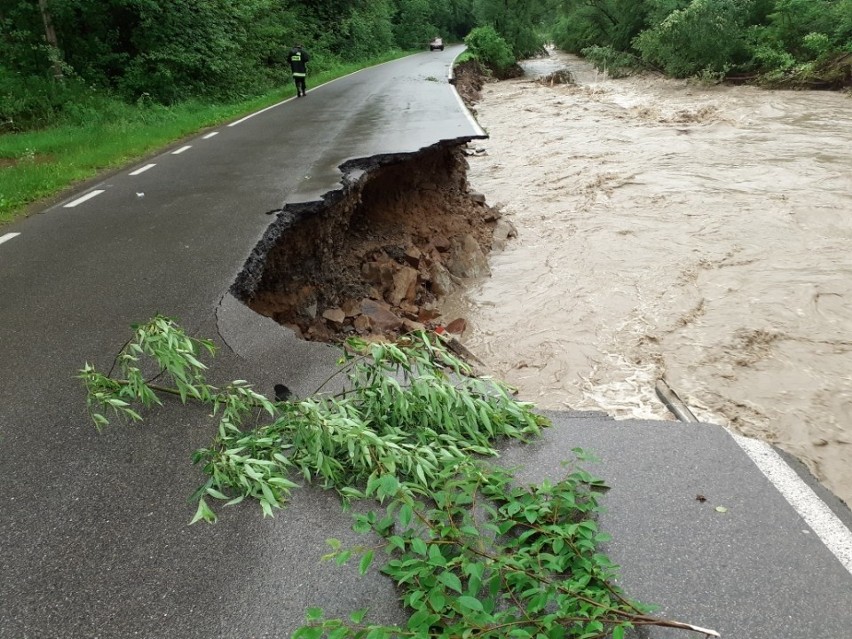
(409, 408)
(484, 558)
(474, 554)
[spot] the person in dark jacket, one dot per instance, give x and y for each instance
(299, 59)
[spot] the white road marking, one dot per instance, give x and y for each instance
(8, 236)
(343, 77)
(479, 130)
(86, 197)
(143, 169)
(828, 527)
(182, 149)
(251, 115)
(210, 135)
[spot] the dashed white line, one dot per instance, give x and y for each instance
(828, 527)
(210, 135)
(182, 149)
(7, 237)
(86, 197)
(143, 169)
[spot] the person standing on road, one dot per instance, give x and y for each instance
(299, 59)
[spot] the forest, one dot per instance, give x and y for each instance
(59, 59)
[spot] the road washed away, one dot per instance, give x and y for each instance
(671, 230)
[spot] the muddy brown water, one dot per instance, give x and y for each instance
(671, 230)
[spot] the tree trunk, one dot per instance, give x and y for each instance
(50, 36)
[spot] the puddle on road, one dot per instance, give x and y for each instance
(701, 234)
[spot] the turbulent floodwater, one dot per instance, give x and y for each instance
(668, 230)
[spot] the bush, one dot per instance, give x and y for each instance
(614, 25)
(33, 102)
(817, 44)
(616, 64)
(708, 35)
(490, 48)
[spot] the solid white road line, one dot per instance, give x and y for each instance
(86, 197)
(210, 135)
(479, 130)
(450, 73)
(828, 527)
(143, 169)
(182, 149)
(251, 115)
(7, 237)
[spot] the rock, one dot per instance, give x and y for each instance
(403, 285)
(351, 308)
(413, 256)
(457, 326)
(468, 260)
(492, 214)
(428, 314)
(441, 243)
(477, 197)
(334, 315)
(320, 332)
(442, 281)
(362, 324)
(381, 318)
(410, 326)
(409, 310)
(503, 230)
(379, 273)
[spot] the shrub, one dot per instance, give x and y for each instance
(490, 48)
(617, 64)
(817, 44)
(707, 35)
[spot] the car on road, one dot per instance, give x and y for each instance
(437, 43)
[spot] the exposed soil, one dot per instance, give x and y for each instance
(376, 258)
(469, 78)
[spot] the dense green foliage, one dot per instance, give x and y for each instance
(88, 85)
(474, 553)
(489, 47)
(63, 59)
(410, 409)
(805, 41)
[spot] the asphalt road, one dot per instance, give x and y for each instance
(94, 540)
(93, 528)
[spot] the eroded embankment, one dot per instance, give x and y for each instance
(376, 256)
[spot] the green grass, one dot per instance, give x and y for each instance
(36, 165)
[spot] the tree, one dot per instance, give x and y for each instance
(519, 22)
(415, 25)
(707, 35)
(50, 36)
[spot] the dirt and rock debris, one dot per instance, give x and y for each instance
(377, 257)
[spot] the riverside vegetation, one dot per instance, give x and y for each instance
(474, 554)
(87, 87)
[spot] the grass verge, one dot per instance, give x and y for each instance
(36, 165)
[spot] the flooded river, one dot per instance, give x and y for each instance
(671, 230)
